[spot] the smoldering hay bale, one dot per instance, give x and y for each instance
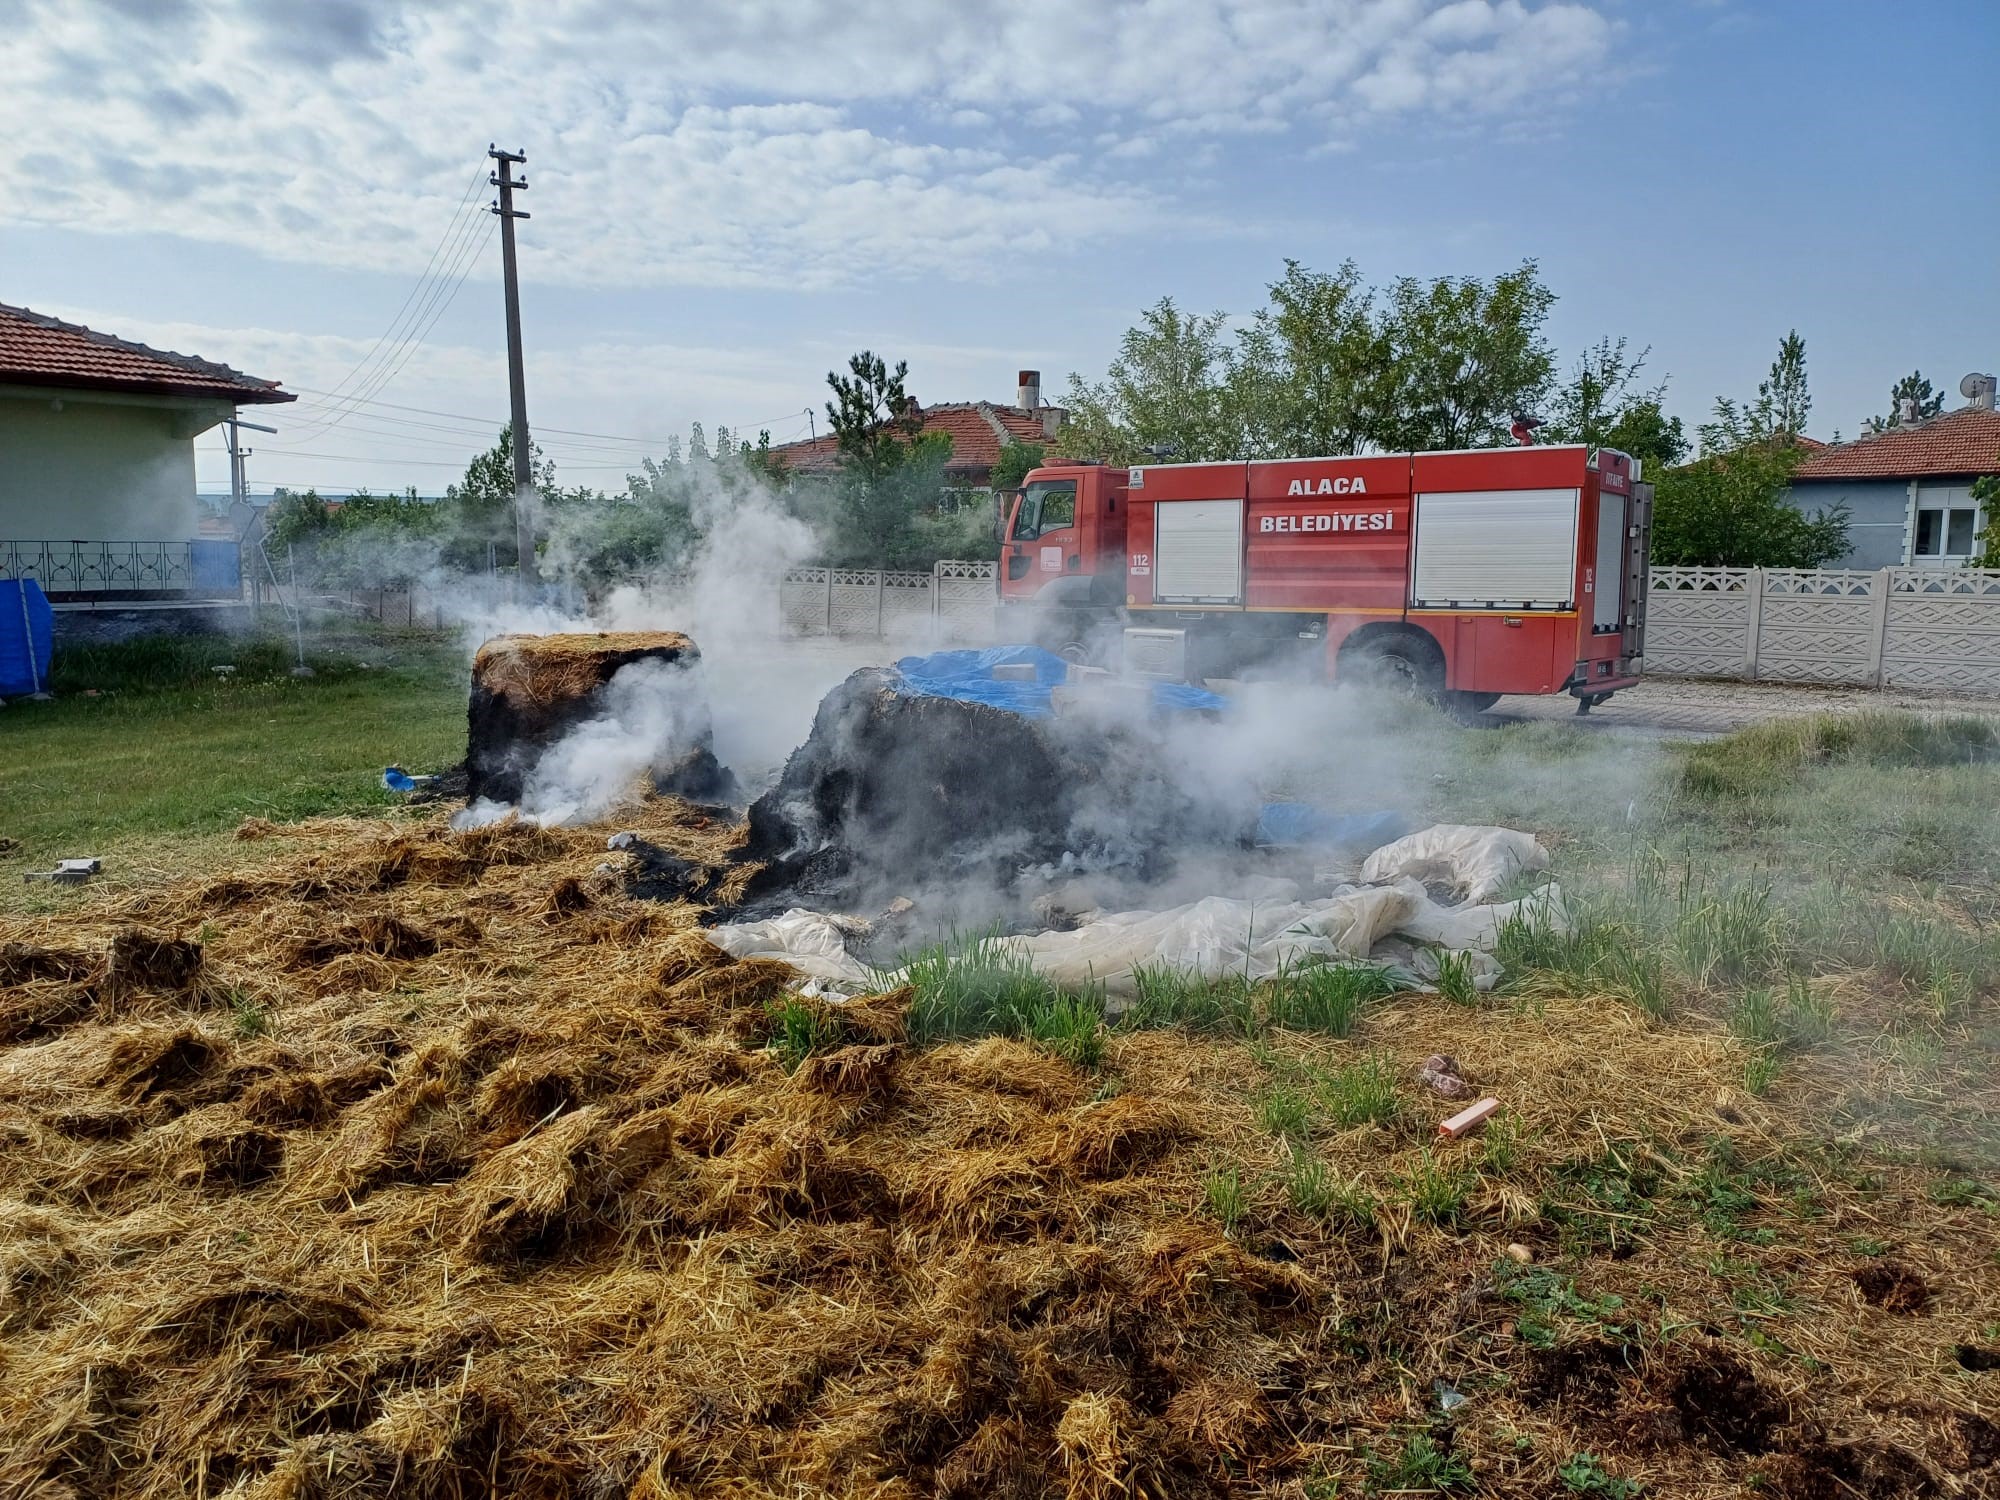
(894, 787)
(530, 691)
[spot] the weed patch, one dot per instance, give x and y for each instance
(1362, 1093)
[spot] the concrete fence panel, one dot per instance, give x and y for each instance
(1943, 630)
(1898, 627)
(1818, 625)
(1698, 621)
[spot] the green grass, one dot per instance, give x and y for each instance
(1283, 1110)
(1455, 978)
(1584, 1475)
(1070, 1026)
(1226, 1196)
(1327, 998)
(171, 752)
(1168, 996)
(1421, 1463)
(973, 986)
(1435, 1191)
(798, 1030)
(1362, 1093)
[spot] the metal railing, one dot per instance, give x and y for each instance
(75, 569)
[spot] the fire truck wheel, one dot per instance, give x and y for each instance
(1405, 661)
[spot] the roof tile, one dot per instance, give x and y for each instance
(39, 350)
(1966, 441)
(975, 445)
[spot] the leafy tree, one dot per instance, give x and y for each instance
(1167, 391)
(1912, 387)
(1730, 510)
(1731, 507)
(479, 509)
(1310, 373)
(1986, 495)
(891, 469)
(1778, 414)
(1602, 403)
(1465, 356)
(1016, 460)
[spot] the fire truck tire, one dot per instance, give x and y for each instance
(1402, 659)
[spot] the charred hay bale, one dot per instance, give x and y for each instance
(529, 691)
(894, 788)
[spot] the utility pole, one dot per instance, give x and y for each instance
(239, 485)
(517, 389)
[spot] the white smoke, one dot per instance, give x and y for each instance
(651, 715)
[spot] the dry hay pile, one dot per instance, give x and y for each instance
(432, 1165)
(528, 691)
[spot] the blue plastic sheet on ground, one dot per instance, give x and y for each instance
(967, 675)
(27, 637)
(1300, 824)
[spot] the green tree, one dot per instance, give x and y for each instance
(1465, 356)
(1731, 510)
(1167, 391)
(1776, 416)
(1731, 507)
(891, 470)
(1602, 403)
(1015, 462)
(1310, 371)
(1912, 387)
(479, 509)
(1986, 495)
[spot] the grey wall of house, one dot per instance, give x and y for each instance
(97, 471)
(1877, 515)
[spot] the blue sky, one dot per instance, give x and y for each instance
(729, 199)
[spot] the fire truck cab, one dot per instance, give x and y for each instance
(1467, 575)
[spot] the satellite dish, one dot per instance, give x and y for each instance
(1974, 384)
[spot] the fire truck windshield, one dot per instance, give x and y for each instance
(1048, 505)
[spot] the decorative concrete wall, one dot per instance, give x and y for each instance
(952, 602)
(1923, 628)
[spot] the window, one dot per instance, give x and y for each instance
(1047, 506)
(1947, 525)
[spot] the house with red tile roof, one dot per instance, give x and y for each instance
(97, 484)
(977, 429)
(1908, 488)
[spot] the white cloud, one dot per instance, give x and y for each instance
(762, 142)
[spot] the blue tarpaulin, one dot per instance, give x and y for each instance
(968, 676)
(27, 637)
(1289, 824)
(217, 566)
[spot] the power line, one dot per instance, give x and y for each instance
(785, 419)
(429, 313)
(451, 226)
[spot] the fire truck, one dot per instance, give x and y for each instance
(1463, 575)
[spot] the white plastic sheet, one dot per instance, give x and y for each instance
(1394, 920)
(812, 942)
(1474, 863)
(1218, 936)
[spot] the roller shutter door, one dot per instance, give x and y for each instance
(1198, 552)
(1495, 549)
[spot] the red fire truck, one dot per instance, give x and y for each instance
(1465, 575)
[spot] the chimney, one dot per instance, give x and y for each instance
(1979, 388)
(1030, 395)
(1906, 411)
(1053, 418)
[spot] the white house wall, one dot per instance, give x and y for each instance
(98, 471)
